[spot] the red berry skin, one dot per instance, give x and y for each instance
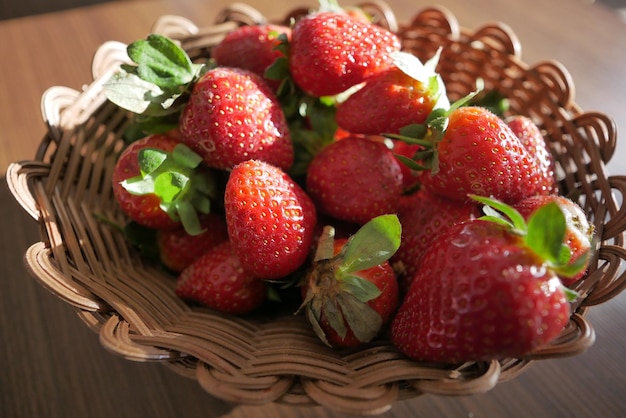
(388, 101)
(251, 47)
(479, 296)
(178, 249)
(218, 281)
(479, 154)
(143, 209)
(232, 116)
(331, 52)
(533, 140)
(355, 179)
(579, 232)
(424, 216)
(270, 219)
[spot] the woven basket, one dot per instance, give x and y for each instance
(276, 358)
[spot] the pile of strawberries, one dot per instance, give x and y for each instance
(321, 157)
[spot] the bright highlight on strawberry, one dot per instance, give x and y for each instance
(320, 167)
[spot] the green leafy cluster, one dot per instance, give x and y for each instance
(155, 88)
(184, 186)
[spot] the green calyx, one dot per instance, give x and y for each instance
(184, 186)
(156, 86)
(335, 286)
(544, 233)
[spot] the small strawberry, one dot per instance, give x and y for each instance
(254, 48)
(270, 219)
(533, 140)
(424, 216)
(403, 94)
(217, 280)
(487, 289)
(159, 183)
(331, 51)
(355, 179)
(473, 151)
(579, 232)
(352, 291)
(178, 249)
(233, 116)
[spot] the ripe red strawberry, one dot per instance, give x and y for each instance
(352, 292)
(178, 249)
(252, 48)
(355, 179)
(486, 289)
(403, 94)
(270, 219)
(233, 116)
(155, 177)
(331, 52)
(533, 140)
(424, 216)
(477, 153)
(218, 281)
(579, 232)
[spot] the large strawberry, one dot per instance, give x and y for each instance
(403, 94)
(533, 140)
(424, 216)
(579, 232)
(270, 219)
(355, 179)
(352, 292)
(160, 183)
(253, 48)
(472, 150)
(487, 289)
(233, 116)
(332, 51)
(216, 280)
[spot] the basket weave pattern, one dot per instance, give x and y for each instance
(132, 305)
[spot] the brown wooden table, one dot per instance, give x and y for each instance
(51, 365)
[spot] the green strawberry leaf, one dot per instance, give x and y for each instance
(186, 157)
(373, 244)
(150, 159)
(546, 232)
(161, 61)
(495, 209)
(362, 289)
(364, 322)
(134, 94)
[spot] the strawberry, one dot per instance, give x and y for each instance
(254, 48)
(355, 179)
(424, 216)
(403, 94)
(233, 116)
(178, 249)
(473, 151)
(487, 289)
(531, 137)
(352, 292)
(217, 280)
(270, 219)
(331, 51)
(159, 183)
(579, 232)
